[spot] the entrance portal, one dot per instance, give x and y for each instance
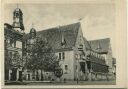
(14, 74)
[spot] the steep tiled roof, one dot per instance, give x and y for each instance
(54, 36)
(100, 45)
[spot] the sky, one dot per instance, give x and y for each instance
(97, 20)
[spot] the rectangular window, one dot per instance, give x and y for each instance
(59, 56)
(63, 55)
(66, 67)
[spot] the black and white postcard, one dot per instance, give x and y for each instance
(75, 43)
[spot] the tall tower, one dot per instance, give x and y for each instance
(18, 20)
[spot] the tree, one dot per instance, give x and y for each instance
(42, 57)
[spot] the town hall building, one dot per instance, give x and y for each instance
(79, 59)
(76, 55)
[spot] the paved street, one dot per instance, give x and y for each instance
(66, 83)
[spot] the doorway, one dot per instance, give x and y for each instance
(14, 74)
